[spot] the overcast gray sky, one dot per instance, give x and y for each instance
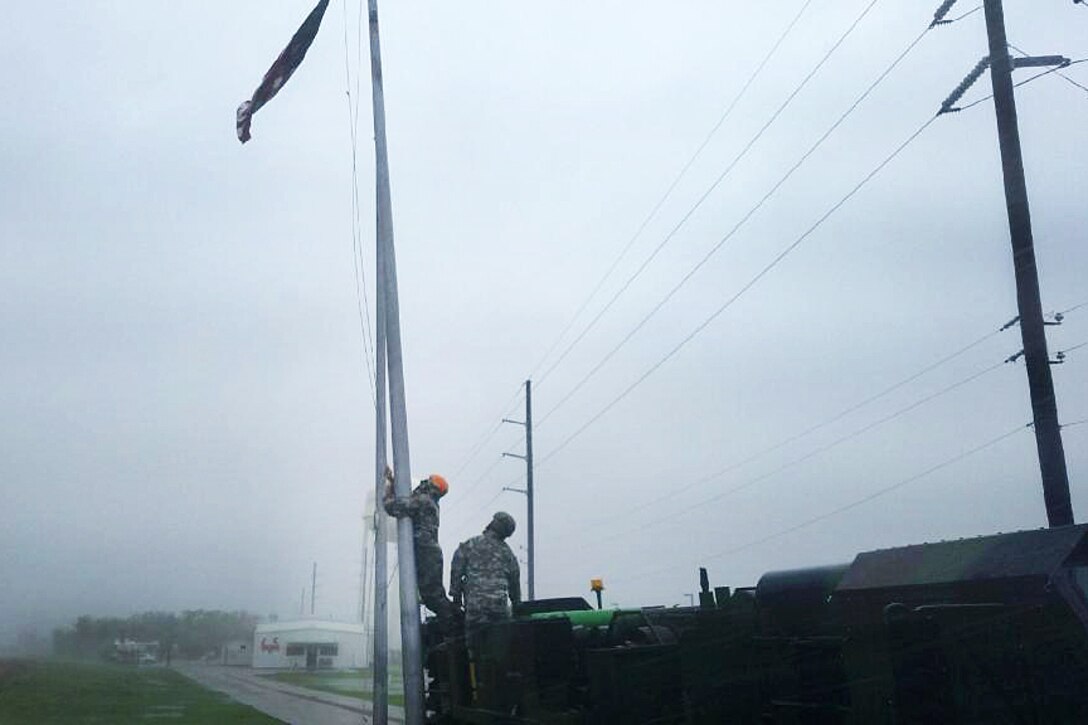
(185, 415)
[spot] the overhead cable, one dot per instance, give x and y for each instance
(461, 524)
(664, 197)
(1060, 74)
(1068, 350)
(736, 227)
(1074, 307)
(938, 17)
(463, 492)
(811, 429)
(1037, 76)
(751, 283)
(653, 213)
(703, 503)
(872, 496)
(699, 202)
(475, 450)
(861, 501)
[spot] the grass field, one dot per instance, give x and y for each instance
(352, 683)
(49, 691)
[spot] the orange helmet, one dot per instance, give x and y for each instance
(439, 483)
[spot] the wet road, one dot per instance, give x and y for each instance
(295, 705)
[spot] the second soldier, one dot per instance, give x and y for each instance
(484, 575)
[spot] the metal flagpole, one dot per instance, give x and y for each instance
(381, 548)
(412, 662)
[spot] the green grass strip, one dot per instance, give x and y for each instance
(51, 691)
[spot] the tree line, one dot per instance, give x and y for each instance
(191, 634)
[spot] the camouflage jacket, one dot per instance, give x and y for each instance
(485, 573)
(423, 510)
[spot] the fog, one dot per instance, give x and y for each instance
(185, 410)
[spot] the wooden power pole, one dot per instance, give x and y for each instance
(1048, 437)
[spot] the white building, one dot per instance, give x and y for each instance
(309, 644)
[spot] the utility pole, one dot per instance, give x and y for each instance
(313, 588)
(528, 490)
(1048, 437)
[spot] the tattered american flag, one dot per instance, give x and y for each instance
(281, 70)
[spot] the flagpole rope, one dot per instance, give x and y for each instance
(362, 302)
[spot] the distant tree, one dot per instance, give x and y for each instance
(193, 633)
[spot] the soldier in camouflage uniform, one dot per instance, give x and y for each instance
(485, 574)
(422, 507)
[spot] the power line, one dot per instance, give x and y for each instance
(864, 500)
(484, 477)
(1075, 423)
(812, 454)
(1062, 75)
(653, 213)
(751, 283)
(481, 478)
(942, 11)
(462, 524)
(664, 197)
(818, 426)
(1037, 76)
(721, 177)
(646, 221)
(736, 160)
(873, 496)
(475, 450)
(1071, 349)
(965, 15)
(751, 212)
(465, 518)
(1074, 307)
(879, 79)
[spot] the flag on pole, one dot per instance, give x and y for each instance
(281, 70)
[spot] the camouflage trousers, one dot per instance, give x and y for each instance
(429, 577)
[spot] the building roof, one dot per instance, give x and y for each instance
(1002, 556)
